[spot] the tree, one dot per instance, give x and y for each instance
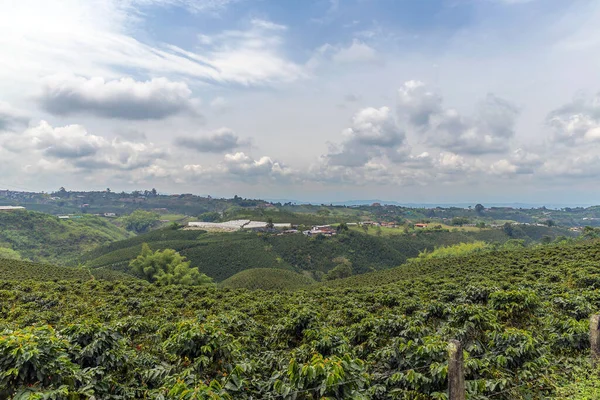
(140, 221)
(343, 269)
(9, 254)
(508, 229)
(550, 222)
(270, 224)
(459, 221)
(167, 267)
(342, 227)
(211, 216)
(479, 208)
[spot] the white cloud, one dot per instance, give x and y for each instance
(124, 98)
(218, 141)
(220, 104)
(10, 117)
(241, 167)
(577, 122)
(374, 133)
(74, 146)
(95, 38)
(357, 52)
(490, 130)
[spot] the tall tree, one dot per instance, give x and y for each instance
(167, 267)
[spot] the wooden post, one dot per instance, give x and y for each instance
(456, 374)
(595, 339)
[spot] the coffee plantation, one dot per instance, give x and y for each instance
(521, 314)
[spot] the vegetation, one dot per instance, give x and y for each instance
(267, 279)
(167, 267)
(140, 221)
(521, 314)
(11, 269)
(9, 254)
(222, 255)
(45, 238)
(460, 249)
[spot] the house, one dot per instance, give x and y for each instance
(63, 217)
(369, 223)
(420, 225)
(11, 208)
(325, 230)
(110, 214)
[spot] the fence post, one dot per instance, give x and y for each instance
(595, 339)
(456, 375)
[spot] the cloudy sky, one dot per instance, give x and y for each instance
(322, 100)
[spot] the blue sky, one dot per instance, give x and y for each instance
(415, 101)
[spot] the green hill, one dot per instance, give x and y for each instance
(522, 316)
(25, 270)
(222, 255)
(45, 238)
(267, 279)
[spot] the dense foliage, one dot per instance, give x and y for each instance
(522, 315)
(140, 221)
(167, 267)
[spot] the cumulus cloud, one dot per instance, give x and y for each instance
(124, 98)
(576, 122)
(374, 133)
(11, 117)
(521, 162)
(76, 147)
(357, 52)
(488, 131)
(239, 166)
(417, 103)
(573, 166)
(219, 141)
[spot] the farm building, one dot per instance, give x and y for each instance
(420, 225)
(11, 208)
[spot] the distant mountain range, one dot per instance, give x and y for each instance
(428, 205)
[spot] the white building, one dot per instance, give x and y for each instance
(11, 208)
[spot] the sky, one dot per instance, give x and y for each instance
(432, 101)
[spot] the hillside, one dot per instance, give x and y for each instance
(221, 255)
(45, 238)
(24, 270)
(267, 279)
(522, 316)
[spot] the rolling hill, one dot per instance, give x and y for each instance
(45, 238)
(222, 255)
